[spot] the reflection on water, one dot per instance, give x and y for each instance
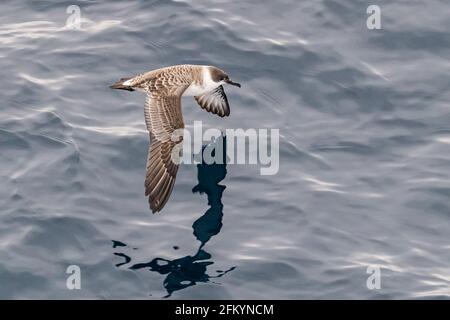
(364, 173)
(190, 270)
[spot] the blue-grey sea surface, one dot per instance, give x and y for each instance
(364, 176)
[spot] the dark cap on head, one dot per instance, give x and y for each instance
(218, 75)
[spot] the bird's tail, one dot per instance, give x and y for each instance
(119, 85)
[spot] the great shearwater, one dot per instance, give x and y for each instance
(164, 88)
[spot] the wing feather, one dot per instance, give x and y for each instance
(215, 101)
(163, 116)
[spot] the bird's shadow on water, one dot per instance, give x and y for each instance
(190, 270)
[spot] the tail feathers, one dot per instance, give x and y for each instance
(119, 85)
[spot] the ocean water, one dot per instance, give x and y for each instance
(364, 177)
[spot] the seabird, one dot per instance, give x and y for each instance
(164, 88)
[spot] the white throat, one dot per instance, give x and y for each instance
(207, 84)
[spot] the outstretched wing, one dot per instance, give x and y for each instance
(163, 116)
(215, 101)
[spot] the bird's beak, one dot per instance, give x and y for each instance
(233, 83)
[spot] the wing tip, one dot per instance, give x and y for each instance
(155, 206)
(157, 200)
(226, 114)
(155, 210)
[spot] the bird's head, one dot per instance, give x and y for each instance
(220, 77)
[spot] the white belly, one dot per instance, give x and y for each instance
(207, 85)
(194, 90)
